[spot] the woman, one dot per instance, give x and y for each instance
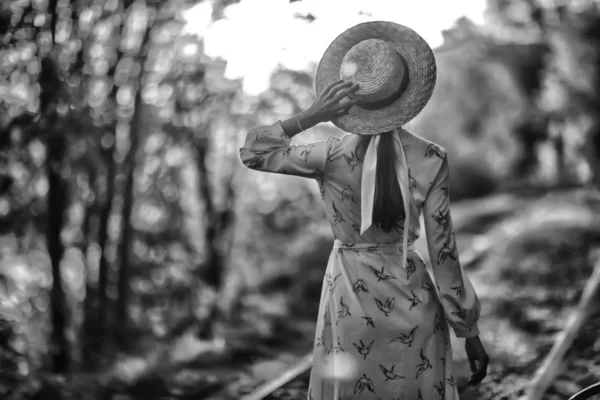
(382, 331)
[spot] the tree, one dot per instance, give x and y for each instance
(141, 33)
(46, 126)
(571, 75)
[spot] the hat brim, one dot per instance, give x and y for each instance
(421, 67)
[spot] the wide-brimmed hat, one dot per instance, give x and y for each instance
(394, 67)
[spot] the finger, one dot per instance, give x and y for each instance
(334, 94)
(337, 91)
(343, 111)
(328, 90)
(347, 102)
(476, 379)
(345, 91)
(481, 373)
(331, 85)
(340, 114)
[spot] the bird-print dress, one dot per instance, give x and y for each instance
(382, 330)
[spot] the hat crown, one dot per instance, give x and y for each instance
(377, 67)
(395, 68)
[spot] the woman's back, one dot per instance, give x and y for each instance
(340, 187)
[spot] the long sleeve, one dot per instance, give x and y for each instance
(268, 149)
(459, 300)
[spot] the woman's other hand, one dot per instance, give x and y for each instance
(478, 359)
(334, 102)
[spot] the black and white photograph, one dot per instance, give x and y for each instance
(299, 199)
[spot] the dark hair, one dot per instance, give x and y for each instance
(388, 206)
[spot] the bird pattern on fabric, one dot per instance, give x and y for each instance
(390, 322)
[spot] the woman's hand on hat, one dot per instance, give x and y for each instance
(335, 101)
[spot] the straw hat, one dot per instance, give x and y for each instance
(394, 67)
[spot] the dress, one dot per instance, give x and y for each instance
(382, 331)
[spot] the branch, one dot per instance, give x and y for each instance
(52, 5)
(307, 17)
(20, 22)
(220, 6)
(589, 303)
(263, 391)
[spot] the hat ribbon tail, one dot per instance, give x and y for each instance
(368, 186)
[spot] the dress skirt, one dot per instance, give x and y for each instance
(381, 331)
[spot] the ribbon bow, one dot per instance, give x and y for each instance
(368, 186)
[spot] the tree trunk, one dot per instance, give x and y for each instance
(123, 288)
(219, 237)
(592, 154)
(211, 272)
(86, 328)
(232, 286)
(57, 201)
(103, 267)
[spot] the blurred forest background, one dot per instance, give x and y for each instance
(129, 265)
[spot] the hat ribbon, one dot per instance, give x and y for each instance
(368, 186)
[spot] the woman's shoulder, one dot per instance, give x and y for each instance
(425, 158)
(419, 146)
(345, 139)
(341, 144)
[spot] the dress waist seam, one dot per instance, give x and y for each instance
(372, 247)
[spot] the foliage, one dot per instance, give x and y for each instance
(569, 83)
(84, 82)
